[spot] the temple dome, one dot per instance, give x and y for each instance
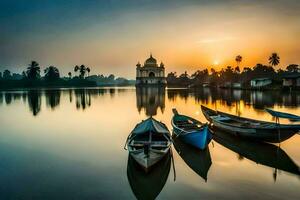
(151, 60)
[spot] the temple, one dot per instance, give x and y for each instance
(150, 73)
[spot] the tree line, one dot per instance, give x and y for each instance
(51, 73)
(233, 74)
(31, 76)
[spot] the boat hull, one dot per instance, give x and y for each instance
(149, 160)
(272, 133)
(199, 139)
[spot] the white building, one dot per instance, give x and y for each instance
(150, 73)
(260, 82)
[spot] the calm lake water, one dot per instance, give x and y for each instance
(68, 144)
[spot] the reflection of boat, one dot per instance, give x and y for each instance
(148, 185)
(148, 142)
(250, 128)
(198, 160)
(262, 153)
(190, 130)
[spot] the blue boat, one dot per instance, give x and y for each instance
(191, 131)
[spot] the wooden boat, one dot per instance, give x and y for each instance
(148, 185)
(261, 153)
(288, 116)
(198, 160)
(250, 128)
(190, 130)
(149, 142)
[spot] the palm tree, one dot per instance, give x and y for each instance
(33, 71)
(76, 68)
(238, 59)
(88, 71)
(82, 71)
(70, 75)
(274, 59)
(51, 73)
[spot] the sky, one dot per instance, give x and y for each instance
(111, 36)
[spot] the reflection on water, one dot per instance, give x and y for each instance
(83, 98)
(148, 185)
(34, 101)
(52, 98)
(68, 144)
(198, 160)
(261, 153)
(150, 99)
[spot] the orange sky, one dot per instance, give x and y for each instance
(185, 37)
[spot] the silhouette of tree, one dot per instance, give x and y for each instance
(70, 75)
(33, 71)
(51, 73)
(0, 75)
(238, 60)
(6, 75)
(76, 68)
(82, 70)
(237, 69)
(88, 71)
(274, 59)
(293, 68)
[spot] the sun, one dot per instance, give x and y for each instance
(216, 62)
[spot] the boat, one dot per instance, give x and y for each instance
(250, 128)
(149, 142)
(285, 115)
(148, 185)
(266, 154)
(191, 131)
(198, 160)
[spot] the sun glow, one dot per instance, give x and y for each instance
(216, 62)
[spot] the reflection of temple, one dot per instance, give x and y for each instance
(150, 99)
(150, 73)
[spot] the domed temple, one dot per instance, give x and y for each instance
(150, 73)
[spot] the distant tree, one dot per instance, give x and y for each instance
(6, 75)
(247, 70)
(0, 75)
(33, 71)
(274, 59)
(70, 75)
(293, 68)
(111, 77)
(82, 71)
(200, 76)
(88, 71)
(76, 68)
(261, 71)
(24, 75)
(238, 60)
(237, 70)
(51, 73)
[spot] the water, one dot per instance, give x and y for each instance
(68, 144)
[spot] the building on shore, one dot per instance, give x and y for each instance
(150, 73)
(291, 80)
(260, 82)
